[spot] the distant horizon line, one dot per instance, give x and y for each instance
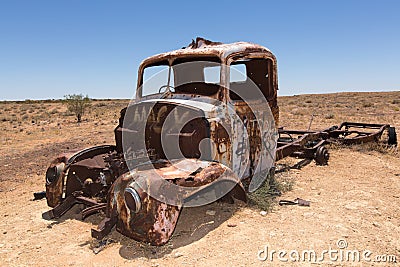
(118, 98)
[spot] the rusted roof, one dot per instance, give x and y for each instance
(204, 47)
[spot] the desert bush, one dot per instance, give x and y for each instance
(329, 116)
(100, 105)
(367, 105)
(380, 147)
(28, 101)
(77, 104)
(23, 108)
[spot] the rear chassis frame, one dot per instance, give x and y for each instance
(311, 144)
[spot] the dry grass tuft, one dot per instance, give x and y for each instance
(264, 197)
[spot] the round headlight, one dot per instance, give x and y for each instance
(132, 199)
(53, 173)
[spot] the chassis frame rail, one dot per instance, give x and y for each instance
(310, 144)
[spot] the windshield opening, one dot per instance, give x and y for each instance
(197, 76)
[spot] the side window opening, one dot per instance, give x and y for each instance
(237, 73)
(258, 72)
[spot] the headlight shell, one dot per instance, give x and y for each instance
(132, 200)
(54, 173)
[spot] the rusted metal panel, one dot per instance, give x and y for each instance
(55, 181)
(155, 221)
(87, 171)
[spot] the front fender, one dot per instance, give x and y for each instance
(153, 219)
(57, 172)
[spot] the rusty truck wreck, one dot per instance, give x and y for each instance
(211, 148)
(203, 127)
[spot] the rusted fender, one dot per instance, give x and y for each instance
(143, 200)
(58, 170)
(55, 175)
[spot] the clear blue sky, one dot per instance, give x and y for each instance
(52, 48)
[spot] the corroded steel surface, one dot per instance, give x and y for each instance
(203, 47)
(155, 221)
